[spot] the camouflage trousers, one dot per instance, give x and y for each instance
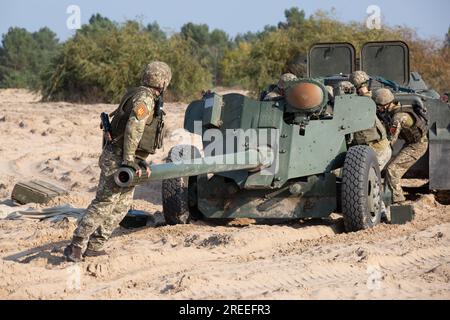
(401, 163)
(383, 151)
(106, 211)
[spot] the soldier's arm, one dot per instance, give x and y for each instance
(142, 110)
(399, 121)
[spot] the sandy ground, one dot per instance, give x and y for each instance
(60, 143)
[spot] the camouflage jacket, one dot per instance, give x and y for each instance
(407, 125)
(129, 122)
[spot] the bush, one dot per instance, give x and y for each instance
(25, 56)
(258, 62)
(103, 59)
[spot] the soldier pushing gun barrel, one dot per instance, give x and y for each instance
(135, 132)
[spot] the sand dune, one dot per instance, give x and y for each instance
(60, 143)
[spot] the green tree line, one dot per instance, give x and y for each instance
(104, 58)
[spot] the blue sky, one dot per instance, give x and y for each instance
(429, 17)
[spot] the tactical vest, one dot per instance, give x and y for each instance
(153, 132)
(418, 130)
(376, 133)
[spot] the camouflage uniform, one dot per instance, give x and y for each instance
(111, 202)
(278, 91)
(407, 125)
(273, 95)
(346, 87)
(360, 80)
(129, 130)
(329, 108)
(375, 137)
(382, 149)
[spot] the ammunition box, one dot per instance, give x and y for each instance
(35, 191)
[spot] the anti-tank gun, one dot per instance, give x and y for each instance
(272, 159)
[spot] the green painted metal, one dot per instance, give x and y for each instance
(387, 59)
(401, 214)
(314, 197)
(320, 149)
(327, 59)
(246, 160)
(323, 146)
(309, 147)
(212, 110)
(35, 191)
(388, 65)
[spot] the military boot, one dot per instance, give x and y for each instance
(94, 253)
(73, 253)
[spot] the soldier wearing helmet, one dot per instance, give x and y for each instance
(375, 137)
(407, 123)
(360, 80)
(134, 135)
(279, 90)
(346, 87)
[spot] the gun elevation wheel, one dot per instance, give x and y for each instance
(361, 189)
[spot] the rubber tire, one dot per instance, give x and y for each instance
(355, 188)
(175, 195)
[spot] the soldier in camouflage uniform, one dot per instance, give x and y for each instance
(406, 123)
(279, 90)
(360, 80)
(132, 142)
(375, 137)
(329, 108)
(346, 87)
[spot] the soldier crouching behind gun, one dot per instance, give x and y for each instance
(409, 124)
(133, 137)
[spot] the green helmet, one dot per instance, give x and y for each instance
(156, 74)
(383, 97)
(359, 79)
(286, 78)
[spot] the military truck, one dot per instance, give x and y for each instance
(388, 65)
(302, 163)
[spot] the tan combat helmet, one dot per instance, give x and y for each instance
(346, 87)
(383, 97)
(156, 74)
(359, 79)
(286, 78)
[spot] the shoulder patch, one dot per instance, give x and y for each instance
(141, 111)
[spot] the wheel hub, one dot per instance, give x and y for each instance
(373, 194)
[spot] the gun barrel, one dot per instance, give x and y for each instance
(246, 160)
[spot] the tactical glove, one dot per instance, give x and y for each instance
(133, 165)
(144, 165)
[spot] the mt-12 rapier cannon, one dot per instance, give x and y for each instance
(275, 159)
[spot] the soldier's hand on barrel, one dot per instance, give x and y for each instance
(144, 164)
(133, 165)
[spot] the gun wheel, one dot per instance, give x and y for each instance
(361, 189)
(175, 192)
